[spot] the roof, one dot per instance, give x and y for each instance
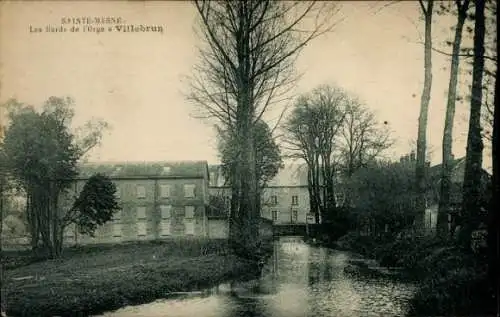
(436, 169)
(289, 175)
(174, 169)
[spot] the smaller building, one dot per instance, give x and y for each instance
(285, 199)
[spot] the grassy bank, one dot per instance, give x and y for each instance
(91, 280)
(451, 281)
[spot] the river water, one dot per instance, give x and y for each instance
(298, 280)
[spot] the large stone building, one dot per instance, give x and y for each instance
(158, 200)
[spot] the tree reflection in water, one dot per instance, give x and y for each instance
(298, 280)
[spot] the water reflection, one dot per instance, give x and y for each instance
(297, 281)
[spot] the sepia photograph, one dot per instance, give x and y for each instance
(249, 158)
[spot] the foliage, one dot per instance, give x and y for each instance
(96, 204)
(246, 65)
(311, 134)
(384, 193)
(267, 153)
(450, 281)
(217, 206)
(41, 154)
(39, 147)
(335, 134)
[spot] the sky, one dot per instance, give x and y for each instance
(135, 81)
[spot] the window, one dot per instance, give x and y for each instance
(189, 227)
(165, 191)
(295, 215)
(166, 169)
(295, 200)
(166, 211)
(189, 212)
(141, 228)
(117, 230)
(189, 190)
(118, 193)
(141, 191)
(117, 215)
(274, 200)
(275, 215)
(141, 212)
(165, 228)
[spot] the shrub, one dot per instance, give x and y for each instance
(456, 291)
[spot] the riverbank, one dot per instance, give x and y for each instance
(450, 281)
(92, 280)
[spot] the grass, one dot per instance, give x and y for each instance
(91, 280)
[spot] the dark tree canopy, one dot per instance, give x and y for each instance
(41, 153)
(96, 203)
(267, 157)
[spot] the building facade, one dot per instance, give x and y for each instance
(158, 200)
(285, 199)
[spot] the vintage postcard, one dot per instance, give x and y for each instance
(247, 158)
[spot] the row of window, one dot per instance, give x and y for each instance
(165, 229)
(294, 215)
(166, 212)
(274, 200)
(165, 191)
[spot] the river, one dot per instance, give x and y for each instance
(298, 280)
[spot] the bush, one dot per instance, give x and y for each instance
(454, 291)
(353, 241)
(452, 282)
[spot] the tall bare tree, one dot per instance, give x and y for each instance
(444, 201)
(420, 170)
(473, 179)
(247, 65)
(363, 137)
(312, 133)
(362, 140)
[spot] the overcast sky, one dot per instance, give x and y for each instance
(134, 80)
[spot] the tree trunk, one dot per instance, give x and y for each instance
(420, 171)
(474, 157)
(444, 201)
(1, 207)
(57, 228)
(234, 223)
(310, 189)
(32, 220)
(318, 188)
(493, 213)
